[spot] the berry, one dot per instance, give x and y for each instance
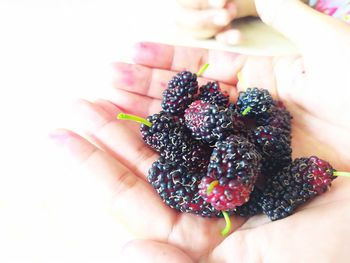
(211, 93)
(197, 158)
(226, 194)
(235, 158)
(211, 123)
(235, 165)
(180, 92)
(277, 116)
(252, 207)
(254, 102)
(167, 133)
(178, 188)
(193, 155)
(274, 146)
(304, 179)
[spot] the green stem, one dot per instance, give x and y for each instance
(200, 72)
(246, 111)
(211, 186)
(347, 174)
(130, 117)
(227, 228)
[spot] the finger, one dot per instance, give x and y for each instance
(131, 199)
(135, 203)
(223, 67)
(230, 37)
(310, 29)
(236, 244)
(148, 82)
(202, 4)
(153, 252)
(136, 104)
(205, 23)
(115, 137)
(258, 72)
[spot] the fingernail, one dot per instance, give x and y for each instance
(222, 19)
(59, 137)
(232, 37)
(221, 38)
(217, 3)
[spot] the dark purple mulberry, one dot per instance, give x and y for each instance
(179, 189)
(167, 132)
(277, 116)
(180, 93)
(252, 207)
(235, 165)
(304, 179)
(258, 100)
(274, 146)
(211, 93)
(211, 123)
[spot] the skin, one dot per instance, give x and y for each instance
(315, 87)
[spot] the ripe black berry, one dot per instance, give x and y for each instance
(166, 133)
(235, 165)
(211, 123)
(179, 189)
(254, 102)
(211, 93)
(274, 145)
(277, 116)
(252, 207)
(304, 179)
(180, 92)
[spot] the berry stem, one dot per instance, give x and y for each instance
(347, 174)
(227, 228)
(246, 111)
(211, 186)
(130, 117)
(200, 72)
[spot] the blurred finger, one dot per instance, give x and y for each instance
(136, 104)
(230, 37)
(115, 137)
(132, 199)
(311, 28)
(202, 4)
(206, 23)
(223, 67)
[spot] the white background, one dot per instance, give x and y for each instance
(52, 52)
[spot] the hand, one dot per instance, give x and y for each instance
(314, 86)
(209, 18)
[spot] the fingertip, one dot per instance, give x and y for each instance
(60, 137)
(230, 37)
(217, 3)
(222, 18)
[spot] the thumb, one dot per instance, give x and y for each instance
(306, 27)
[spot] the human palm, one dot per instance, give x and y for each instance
(119, 157)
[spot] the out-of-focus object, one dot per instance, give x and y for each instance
(337, 8)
